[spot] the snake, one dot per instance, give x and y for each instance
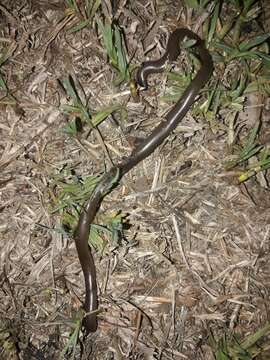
(146, 147)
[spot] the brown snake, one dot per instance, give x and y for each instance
(143, 150)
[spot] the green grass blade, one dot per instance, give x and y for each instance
(70, 109)
(253, 338)
(81, 25)
(102, 114)
(91, 8)
(251, 141)
(72, 341)
(3, 85)
(72, 4)
(107, 35)
(213, 21)
(70, 89)
(122, 62)
(249, 44)
(240, 88)
(225, 47)
(248, 4)
(264, 57)
(193, 4)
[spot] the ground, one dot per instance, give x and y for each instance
(192, 263)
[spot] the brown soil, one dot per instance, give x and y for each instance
(195, 258)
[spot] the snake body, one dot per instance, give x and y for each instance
(142, 151)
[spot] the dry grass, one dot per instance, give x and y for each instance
(196, 256)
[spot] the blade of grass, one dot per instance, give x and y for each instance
(73, 340)
(81, 25)
(92, 7)
(250, 43)
(213, 21)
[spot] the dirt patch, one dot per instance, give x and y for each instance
(194, 258)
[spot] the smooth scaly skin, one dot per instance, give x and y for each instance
(108, 181)
(143, 150)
